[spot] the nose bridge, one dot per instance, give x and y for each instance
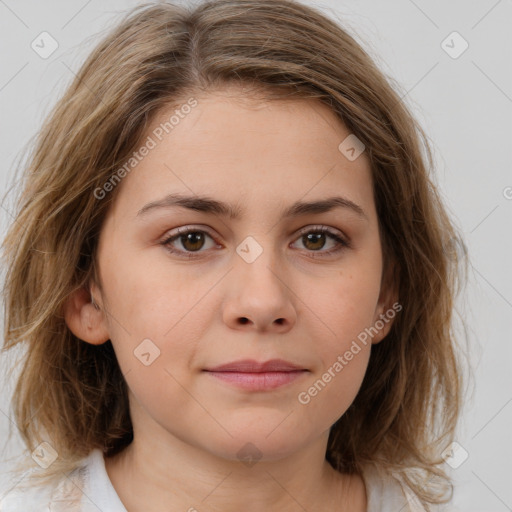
(257, 261)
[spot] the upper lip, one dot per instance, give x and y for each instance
(251, 366)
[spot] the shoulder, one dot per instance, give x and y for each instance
(30, 494)
(387, 492)
(80, 490)
(16, 497)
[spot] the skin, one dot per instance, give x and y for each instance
(297, 306)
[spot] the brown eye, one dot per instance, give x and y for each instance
(192, 241)
(188, 241)
(316, 239)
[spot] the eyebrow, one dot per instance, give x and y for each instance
(209, 205)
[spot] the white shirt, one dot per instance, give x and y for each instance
(89, 489)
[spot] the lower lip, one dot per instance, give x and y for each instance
(258, 381)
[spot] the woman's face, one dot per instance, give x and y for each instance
(254, 280)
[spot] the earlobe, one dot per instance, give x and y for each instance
(383, 322)
(386, 307)
(85, 318)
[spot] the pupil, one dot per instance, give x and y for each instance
(196, 239)
(315, 238)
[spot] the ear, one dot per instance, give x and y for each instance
(85, 318)
(387, 305)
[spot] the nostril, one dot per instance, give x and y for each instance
(244, 320)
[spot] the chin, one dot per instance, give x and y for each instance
(253, 443)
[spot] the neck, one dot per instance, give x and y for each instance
(151, 476)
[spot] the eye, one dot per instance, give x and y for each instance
(191, 239)
(315, 239)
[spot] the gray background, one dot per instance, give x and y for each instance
(464, 104)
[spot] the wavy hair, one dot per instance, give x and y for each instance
(407, 408)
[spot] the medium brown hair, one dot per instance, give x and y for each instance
(407, 408)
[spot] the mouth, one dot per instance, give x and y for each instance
(255, 376)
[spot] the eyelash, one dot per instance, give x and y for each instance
(342, 243)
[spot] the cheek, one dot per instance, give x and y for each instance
(153, 300)
(152, 327)
(346, 305)
(333, 388)
(346, 309)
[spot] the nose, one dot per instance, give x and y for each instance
(258, 298)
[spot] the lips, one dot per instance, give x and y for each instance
(255, 376)
(251, 366)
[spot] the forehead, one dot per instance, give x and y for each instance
(256, 151)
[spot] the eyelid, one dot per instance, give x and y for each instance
(323, 229)
(183, 230)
